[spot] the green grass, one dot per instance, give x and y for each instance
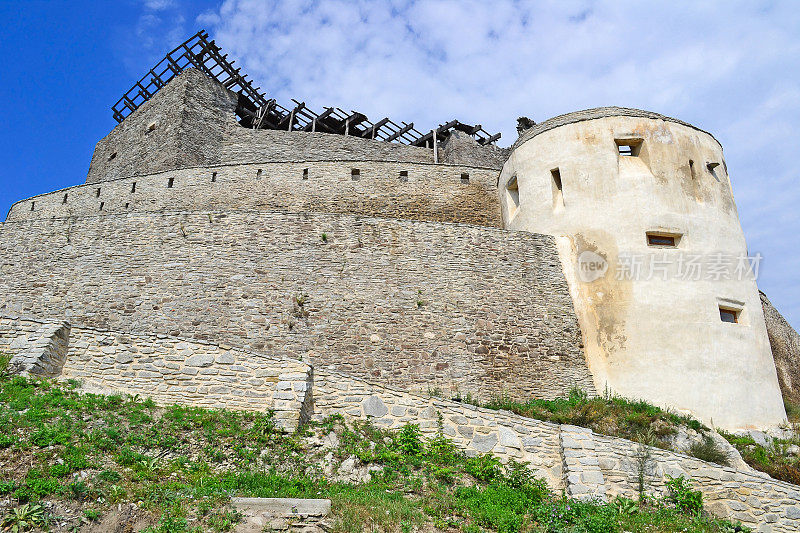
(609, 415)
(773, 459)
(182, 465)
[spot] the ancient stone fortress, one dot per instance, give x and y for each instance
(226, 251)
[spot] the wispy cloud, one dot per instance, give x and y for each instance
(732, 68)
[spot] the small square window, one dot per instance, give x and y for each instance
(355, 173)
(729, 315)
(663, 240)
(464, 178)
(404, 175)
(628, 147)
(258, 174)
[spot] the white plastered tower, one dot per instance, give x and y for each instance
(651, 246)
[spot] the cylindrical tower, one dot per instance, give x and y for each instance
(655, 257)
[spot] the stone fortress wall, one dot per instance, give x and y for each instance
(466, 309)
(414, 191)
(652, 321)
(191, 123)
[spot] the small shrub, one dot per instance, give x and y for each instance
(409, 441)
(91, 514)
(484, 467)
(686, 500)
(24, 517)
(108, 476)
(708, 450)
(625, 506)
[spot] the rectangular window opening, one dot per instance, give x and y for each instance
(126, 205)
(33, 204)
(663, 240)
(558, 188)
(727, 314)
(305, 173)
(512, 195)
(628, 147)
(355, 173)
(65, 199)
(464, 178)
(101, 205)
(170, 183)
(133, 187)
(213, 177)
(258, 174)
(97, 195)
(404, 175)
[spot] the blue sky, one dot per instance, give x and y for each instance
(732, 68)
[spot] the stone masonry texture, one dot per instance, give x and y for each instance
(573, 459)
(785, 344)
(584, 464)
(191, 122)
(425, 192)
(419, 305)
(172, 370)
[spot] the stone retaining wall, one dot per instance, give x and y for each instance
(474, 429)
(37, 348)
(171, 370)
(584, 464)
(464, 309)
(438, 193)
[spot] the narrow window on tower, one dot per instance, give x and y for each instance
(512, 196)
(404, 175)
(465, 178)
(305, 173)
(65, 199)
(170, 183)
(258, 174)
(97, 194)
(213, 177)
(355, 174)
(33, 205)
(558, 188)
(133, 187)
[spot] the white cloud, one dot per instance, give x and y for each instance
(732, 68)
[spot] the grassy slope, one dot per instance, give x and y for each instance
(642, 422)
(183, 464)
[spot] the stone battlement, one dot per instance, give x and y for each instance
(416, 191)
